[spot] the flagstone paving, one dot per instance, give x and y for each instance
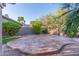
(70, 50)
(10, 52)
(42, 45)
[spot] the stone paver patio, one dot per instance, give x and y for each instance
(42, 45)
(70, 50)
(10, 52)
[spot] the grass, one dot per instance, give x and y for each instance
(8, 39)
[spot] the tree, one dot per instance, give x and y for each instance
(21, 20)
(48, 20)
(59, 12)
(51, 22)
(70, 6)
(2, 5)
(60, 21)
(66, 6)
(72, 22)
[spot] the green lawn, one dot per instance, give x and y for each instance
(9, 38)
(6, 39)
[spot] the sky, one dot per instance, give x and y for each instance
(30, 11)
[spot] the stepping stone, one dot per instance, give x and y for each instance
(37, 45)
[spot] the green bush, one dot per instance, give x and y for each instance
(10, 28)
(36, 26)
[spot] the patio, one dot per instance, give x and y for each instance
(42, 45)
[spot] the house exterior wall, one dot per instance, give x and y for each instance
(5, 20)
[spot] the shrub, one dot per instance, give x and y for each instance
(10, 28)
(36, 26)
(72, 24)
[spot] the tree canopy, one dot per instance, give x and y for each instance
(72, 20)
(21, 20)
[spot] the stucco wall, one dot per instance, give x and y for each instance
(5, 20)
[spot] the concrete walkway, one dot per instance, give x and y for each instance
(42, 45)
(25, 30)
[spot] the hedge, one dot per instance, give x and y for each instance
(10, 28)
